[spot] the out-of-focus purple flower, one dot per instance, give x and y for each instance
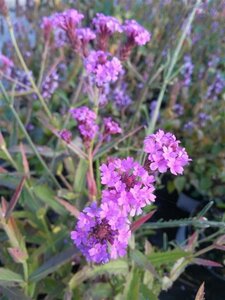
(187, 70)
(65, 135)
(120, 96)
(68, 19)
(22, 78)
(128, 185)
(189, 126)
(136, 33)
(165, 153)
(86, 35)
(6, 64)
(86, 123)
(153, 107)
(213, 62)
(47, 26)
(104, 67)
(49, 85)
(203, 118)
(216, 87)
(111, 127)
(178, 109)
(106, 25)
(101, 234)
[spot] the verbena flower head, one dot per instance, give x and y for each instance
(101, 234)
(49, 85)
(106, 24)
(68, 19)
(104, 67)
(165, 153)
(47, 25)
(85, 34)
(65, 135)
(129, 185)
(111, 127)
(136, 33)
(86, 123)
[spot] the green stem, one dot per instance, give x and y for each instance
(44, 58)
(34, 86)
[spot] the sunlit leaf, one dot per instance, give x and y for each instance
(10, 276)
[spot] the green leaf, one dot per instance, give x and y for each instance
(53, 264)
(80, 180)
(113, 267)
(147, 294)
(179, 183)
(159, 258)
(142, 261)
(13, 293)
(45, 194)
(133, 285)
(7, 275)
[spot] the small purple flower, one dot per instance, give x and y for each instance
(111, 127)
(49, 85)
(65, 135)
(47, 26)
(203, 118)
(104, 67)
(189, 126)
(136, 33)
(215, 89)
(187, 70)
(86, 123)
(101, 233)
(165, 153)
(128, 185)
(106, 25)
(120, 96)
(178, 109)
(6, 64)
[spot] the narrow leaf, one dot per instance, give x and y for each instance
(206, 262)
(13, 293)
(25, 161)
(142, 261)
(133, 286)
(137, 224)
(114, 267)
(10, 276)
(69, 207)
(53, 264)
(220, 247)
(159, 258)
(14, 198)
(201, 292)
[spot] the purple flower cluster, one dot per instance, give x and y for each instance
(215, 89)
(101, 233)
(65, 135)
(104, 67)
(136, 33)
(106, 25)
(129, 186)
(187, 70)
(6, 64)
(203, 118)
(165, 153)
(86, 120)
(68, 19)
(111, 127)
(178, 109)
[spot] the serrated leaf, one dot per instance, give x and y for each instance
(114, 267)
(10, 276)
(167, 257)
(53, 264)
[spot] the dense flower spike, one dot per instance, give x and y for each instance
(101, 234)
(165, 153)
(86, 123)
(129, 185)
(104, 67)
(187, 70)
(136, 33)
(216, 87)
(111, 127)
